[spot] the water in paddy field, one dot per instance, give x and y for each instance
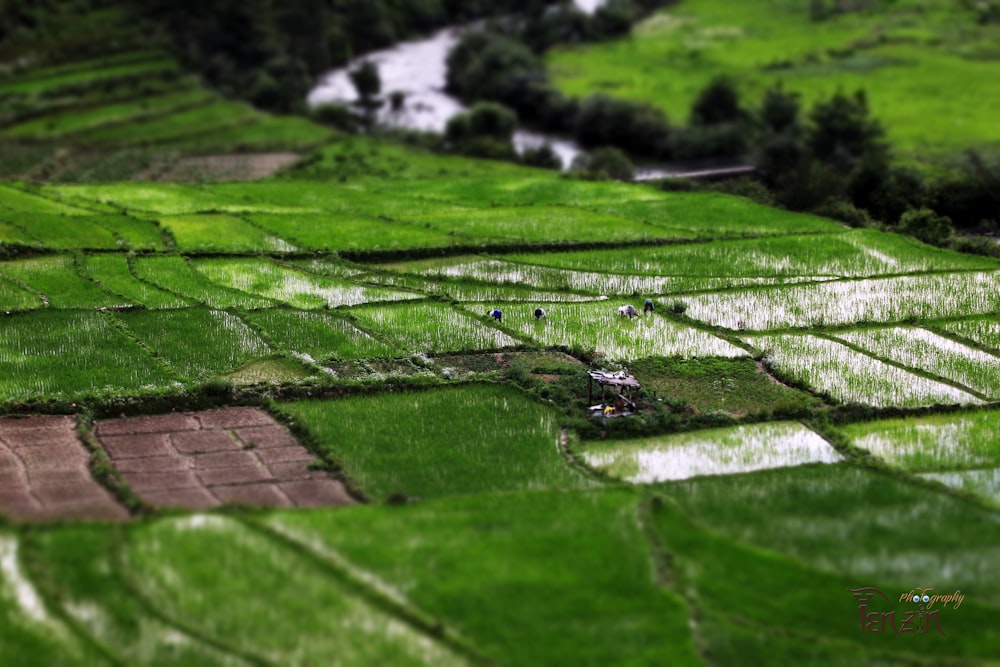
(417, 68)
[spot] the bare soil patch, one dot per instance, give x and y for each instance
(200, 460)
(233, 167)
(45, 476)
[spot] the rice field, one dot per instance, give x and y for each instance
(55, 278)
(62, 232)
(849, 376)
(112, 272)
(197, 343)
(290, 286)
(441, 442)
(431, 327)
(173, 273)
(855, 253)
(296, 611)
(598, 326)
(17, 200)
(162, 199)
(840, 302)
(317, 336)
(221, 233)
(350, 231)
(504, 272)
(14, 297)
(932, 443)
(986, 332)
(927, 351)
(725, 451)
(985, 483)
(67, 354)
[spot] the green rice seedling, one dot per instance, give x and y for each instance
(11, 234)
(278, 133)
(567, 577)
(710, 215)
(317, 335)
(15, 200)
(853, 522)
(985, 331)
(29, 632)
(856, 253)
(274, 603)
(163, 198)
(173, 273)
(199, 343)
(219, 114)
(927, 351)
(720, 451)
(133, 233)
(598, 326)
(985, 483)
(733, 386)
(500, 271)
(296, 288)
(895, 299)
(327, 266)
(64, 354)
(76, 120)
(112, 272)
(529, 188)
(14, 297)
(850, 376)
(221, 233)
(349, 231)
(55, 277)
(534, 224)
(84, 578)
(441, 442)
(371, 160)
(268, 370)
(63, 232)
(304, 197)
(430, 327)
(757, 586)
(933, 442)
(41, 84)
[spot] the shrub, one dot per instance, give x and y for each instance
(926, 225)
(603, 163)
(845, 211)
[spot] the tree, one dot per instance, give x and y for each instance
(926, 225)
(842, 133)
(603, 163)
(366, 81)
(717, 103)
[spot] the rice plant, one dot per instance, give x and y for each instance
(51, 354)
(62, 232)
(721, 451)
(296, 288)
(853, 377)
(984, 331)
(855, 253)
(163, 198)
(462, 440)
(55, 277)
(984, 483)
(933, 442)
(317, 335)
(927, 351)
(221, 233)
(896, 299)
(293, 602)
(15, 297)
(198, 343)
(20, 201)
(112, 271)
(430, 327)
(173, 273)
(350, 231)
(598, 326)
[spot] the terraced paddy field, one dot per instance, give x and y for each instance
(273, 423)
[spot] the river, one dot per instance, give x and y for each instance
(417, 69)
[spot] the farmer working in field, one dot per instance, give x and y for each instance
(647, 307)
(497, 315)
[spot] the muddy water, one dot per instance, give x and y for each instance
(417, 68)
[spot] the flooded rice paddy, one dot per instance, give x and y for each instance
(723, 451)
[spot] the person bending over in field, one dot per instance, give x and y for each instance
(539, 313)
(497, 315)
(647, 307)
